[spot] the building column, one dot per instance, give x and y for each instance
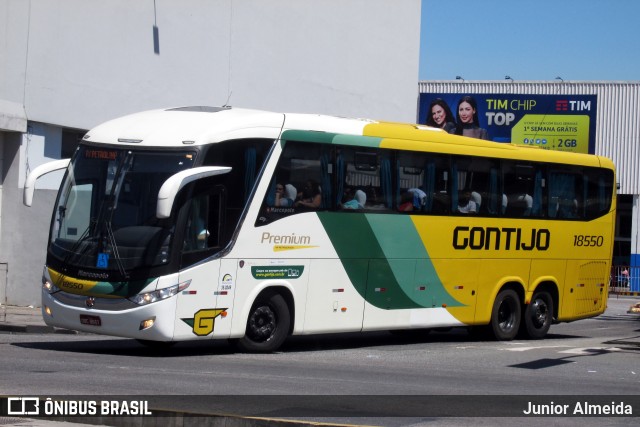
(635, 245)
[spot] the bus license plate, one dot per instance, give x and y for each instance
(86, 319)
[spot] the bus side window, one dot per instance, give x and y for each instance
(563, 195)
(597, 185)
(306, 169)
(412, 194)
(479, 177)
(362, 179)
(424, 181)
(197, 233)
(520, 182)
(203, 224)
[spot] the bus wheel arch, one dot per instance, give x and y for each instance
(540, 312)
(269, 322)
(506, 313)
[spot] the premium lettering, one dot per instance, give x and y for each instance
(280, 239)
(505, 238)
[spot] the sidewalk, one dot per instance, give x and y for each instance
(25, 320)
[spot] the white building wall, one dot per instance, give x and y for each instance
(86, 62)
(77, 63)
(40, 144)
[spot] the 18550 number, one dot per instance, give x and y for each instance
(583, 240)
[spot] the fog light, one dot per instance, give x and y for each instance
(146, 324)
(48, 311)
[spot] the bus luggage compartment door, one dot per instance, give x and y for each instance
(585, 288)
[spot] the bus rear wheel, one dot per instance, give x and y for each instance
(267, 325)
(506, 315)
(538, 315)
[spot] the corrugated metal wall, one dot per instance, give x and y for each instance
(617, 119)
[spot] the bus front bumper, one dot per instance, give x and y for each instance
(154, 322)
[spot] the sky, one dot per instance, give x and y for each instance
(577, 40)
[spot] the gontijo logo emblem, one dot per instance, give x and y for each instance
(286, 242)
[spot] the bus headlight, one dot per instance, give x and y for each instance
(47, 284)
(160, 294)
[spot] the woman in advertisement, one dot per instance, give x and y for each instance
(468, 123)
(440, 116)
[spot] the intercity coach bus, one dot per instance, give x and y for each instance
(198, 223)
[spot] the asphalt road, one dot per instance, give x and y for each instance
(596, 357)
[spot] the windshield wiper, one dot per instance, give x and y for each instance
(86, 235)
(114, 248)
(113, 198)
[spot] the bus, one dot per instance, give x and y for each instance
(200, 223)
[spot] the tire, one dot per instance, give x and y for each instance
(538, 315)
(267, 325)
(506, 315)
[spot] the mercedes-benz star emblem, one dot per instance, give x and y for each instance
(90, 302)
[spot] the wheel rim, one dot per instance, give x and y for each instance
(539, 313)
(506, 315)
(262, 324)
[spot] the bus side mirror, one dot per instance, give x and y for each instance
(173, 184)
(30, 183)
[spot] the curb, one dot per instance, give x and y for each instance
(626, 294)
(34, 329)
(178, 418)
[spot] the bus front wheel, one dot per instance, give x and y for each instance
(538, 315)
(506, 315)
(267, 325)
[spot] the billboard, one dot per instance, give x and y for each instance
(553, 122)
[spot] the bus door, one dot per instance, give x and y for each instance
(203, 306)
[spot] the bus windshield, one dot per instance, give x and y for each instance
(105, 217)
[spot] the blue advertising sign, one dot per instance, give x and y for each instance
(554, 122)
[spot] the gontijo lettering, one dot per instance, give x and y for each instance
(506, 238)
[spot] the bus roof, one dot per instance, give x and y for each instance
(199, 125)
(176, 127)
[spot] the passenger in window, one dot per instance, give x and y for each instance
(285, 195)
(440, 116)
(406, 202)
(419, 198)
(310, 197)
(466, 204)
(567, 208)
(477, 197)
(354, 200)
(468, 123)
(520, 199)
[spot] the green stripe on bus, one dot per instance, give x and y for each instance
(361, 141)
(330, 138)
(388, 271)
(307, 136)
